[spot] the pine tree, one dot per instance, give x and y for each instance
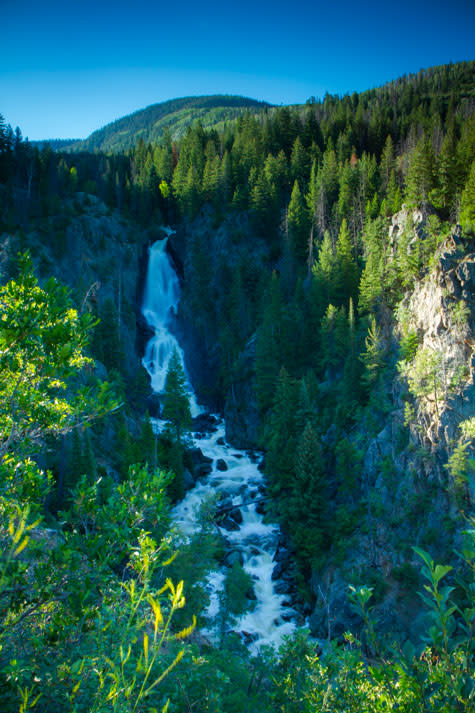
(372, 282)
(346, 278)
(467, 205)
(420, 176)
(299, 163)
(372, 357)
(448, 172)
(334, 340)
(307, 501)
(176, 405)
(298, 224)
(279, 435)
(324, 269)
(387, 164)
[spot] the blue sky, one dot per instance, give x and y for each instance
(69, 68)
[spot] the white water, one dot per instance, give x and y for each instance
(161, 295)
(256, 540)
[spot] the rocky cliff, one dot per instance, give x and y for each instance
(417, 478)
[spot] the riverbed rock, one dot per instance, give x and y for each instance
(188, 480)
(202, 465)
(233, 557)
(221, 464)
(261, 507)
(205, 423)
(251, 594)
(236, 515)
(248, 638)
(282, 587)
(282, 554)
(278, 571)
(229, 524)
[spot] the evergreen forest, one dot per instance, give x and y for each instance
(326, 260)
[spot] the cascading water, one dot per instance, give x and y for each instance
(233, 474)
(161, 295)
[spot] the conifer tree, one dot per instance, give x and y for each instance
(346, 278)
(176, 405)
(298, 163)
(467, 205)
(307, 500)
(420, 176)
(386, 167)
(280, 436)
(334, 340)
(298, 224)
(324, 268)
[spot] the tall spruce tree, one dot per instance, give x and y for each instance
(176, 405)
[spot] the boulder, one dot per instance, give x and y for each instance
(205, 423)
(233, 557)
(188, 480)
(261, 507)
(282, 587)
(250, 594)
(282, 555)
(248, 638)
(278, 571)
(229, 524)
(202, 465)
(221, 464)
(236, 515)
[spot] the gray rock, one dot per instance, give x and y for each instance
(229, 524)
(188, 480)
(234, 557)
(236, 515)
(282, 587)
(278, 571)
(221, 464)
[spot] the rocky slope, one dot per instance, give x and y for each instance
(410, 493)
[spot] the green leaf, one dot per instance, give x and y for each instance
(439, 572)
(425, 556)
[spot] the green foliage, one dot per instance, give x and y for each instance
(298, 224)
(373, 356)
(467, 209)
(342, 680)
(176, 405)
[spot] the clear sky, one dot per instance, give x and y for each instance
(68, 68)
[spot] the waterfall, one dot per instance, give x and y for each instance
(249, 539)
(161, 295)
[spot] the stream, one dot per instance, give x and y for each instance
(233, 474)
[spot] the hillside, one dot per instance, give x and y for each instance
(150, 123)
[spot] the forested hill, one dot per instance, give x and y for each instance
(176, 114)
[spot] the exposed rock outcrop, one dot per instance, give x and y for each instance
(405, 467)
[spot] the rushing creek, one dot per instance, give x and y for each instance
(234, 475)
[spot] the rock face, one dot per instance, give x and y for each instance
(99, 255)
(240, 409)
(218, 247)
(410, 496)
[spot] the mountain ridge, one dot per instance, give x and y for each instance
(176, 114)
